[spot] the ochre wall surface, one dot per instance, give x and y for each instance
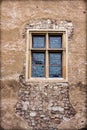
(42, 105)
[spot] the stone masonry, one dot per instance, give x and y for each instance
(50, 24)
(44, 105)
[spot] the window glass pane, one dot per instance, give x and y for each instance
(55, 58)
(38, 42)
(55, 41)
(55, 71)
(37, 71)
(38, 64)
(55, 65)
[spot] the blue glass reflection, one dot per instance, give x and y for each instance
(38, 58)
(38, 41)
(55, 58)
(37, 64)
(55, 63)
(37, 71)
(55, 71)
(55, 41)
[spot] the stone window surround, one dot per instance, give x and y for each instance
(28, 55)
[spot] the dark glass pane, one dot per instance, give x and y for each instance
(37, 58)
(38, 64)
(55, 71)
(37, 71)
(55, 64)
(38, 42)
(55, 58)
(55, 41)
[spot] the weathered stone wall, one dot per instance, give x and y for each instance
(42, 105)
(16, 14)
(45, 105)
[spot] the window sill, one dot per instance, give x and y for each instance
(60, 80)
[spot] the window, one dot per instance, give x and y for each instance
(46, 54)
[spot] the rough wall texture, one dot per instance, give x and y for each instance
(42, 105)
(45, 105)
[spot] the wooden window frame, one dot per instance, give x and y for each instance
(64, 54)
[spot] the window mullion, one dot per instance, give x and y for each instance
(47, 60)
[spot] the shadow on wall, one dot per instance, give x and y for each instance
(1, 128)
(83, 128)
